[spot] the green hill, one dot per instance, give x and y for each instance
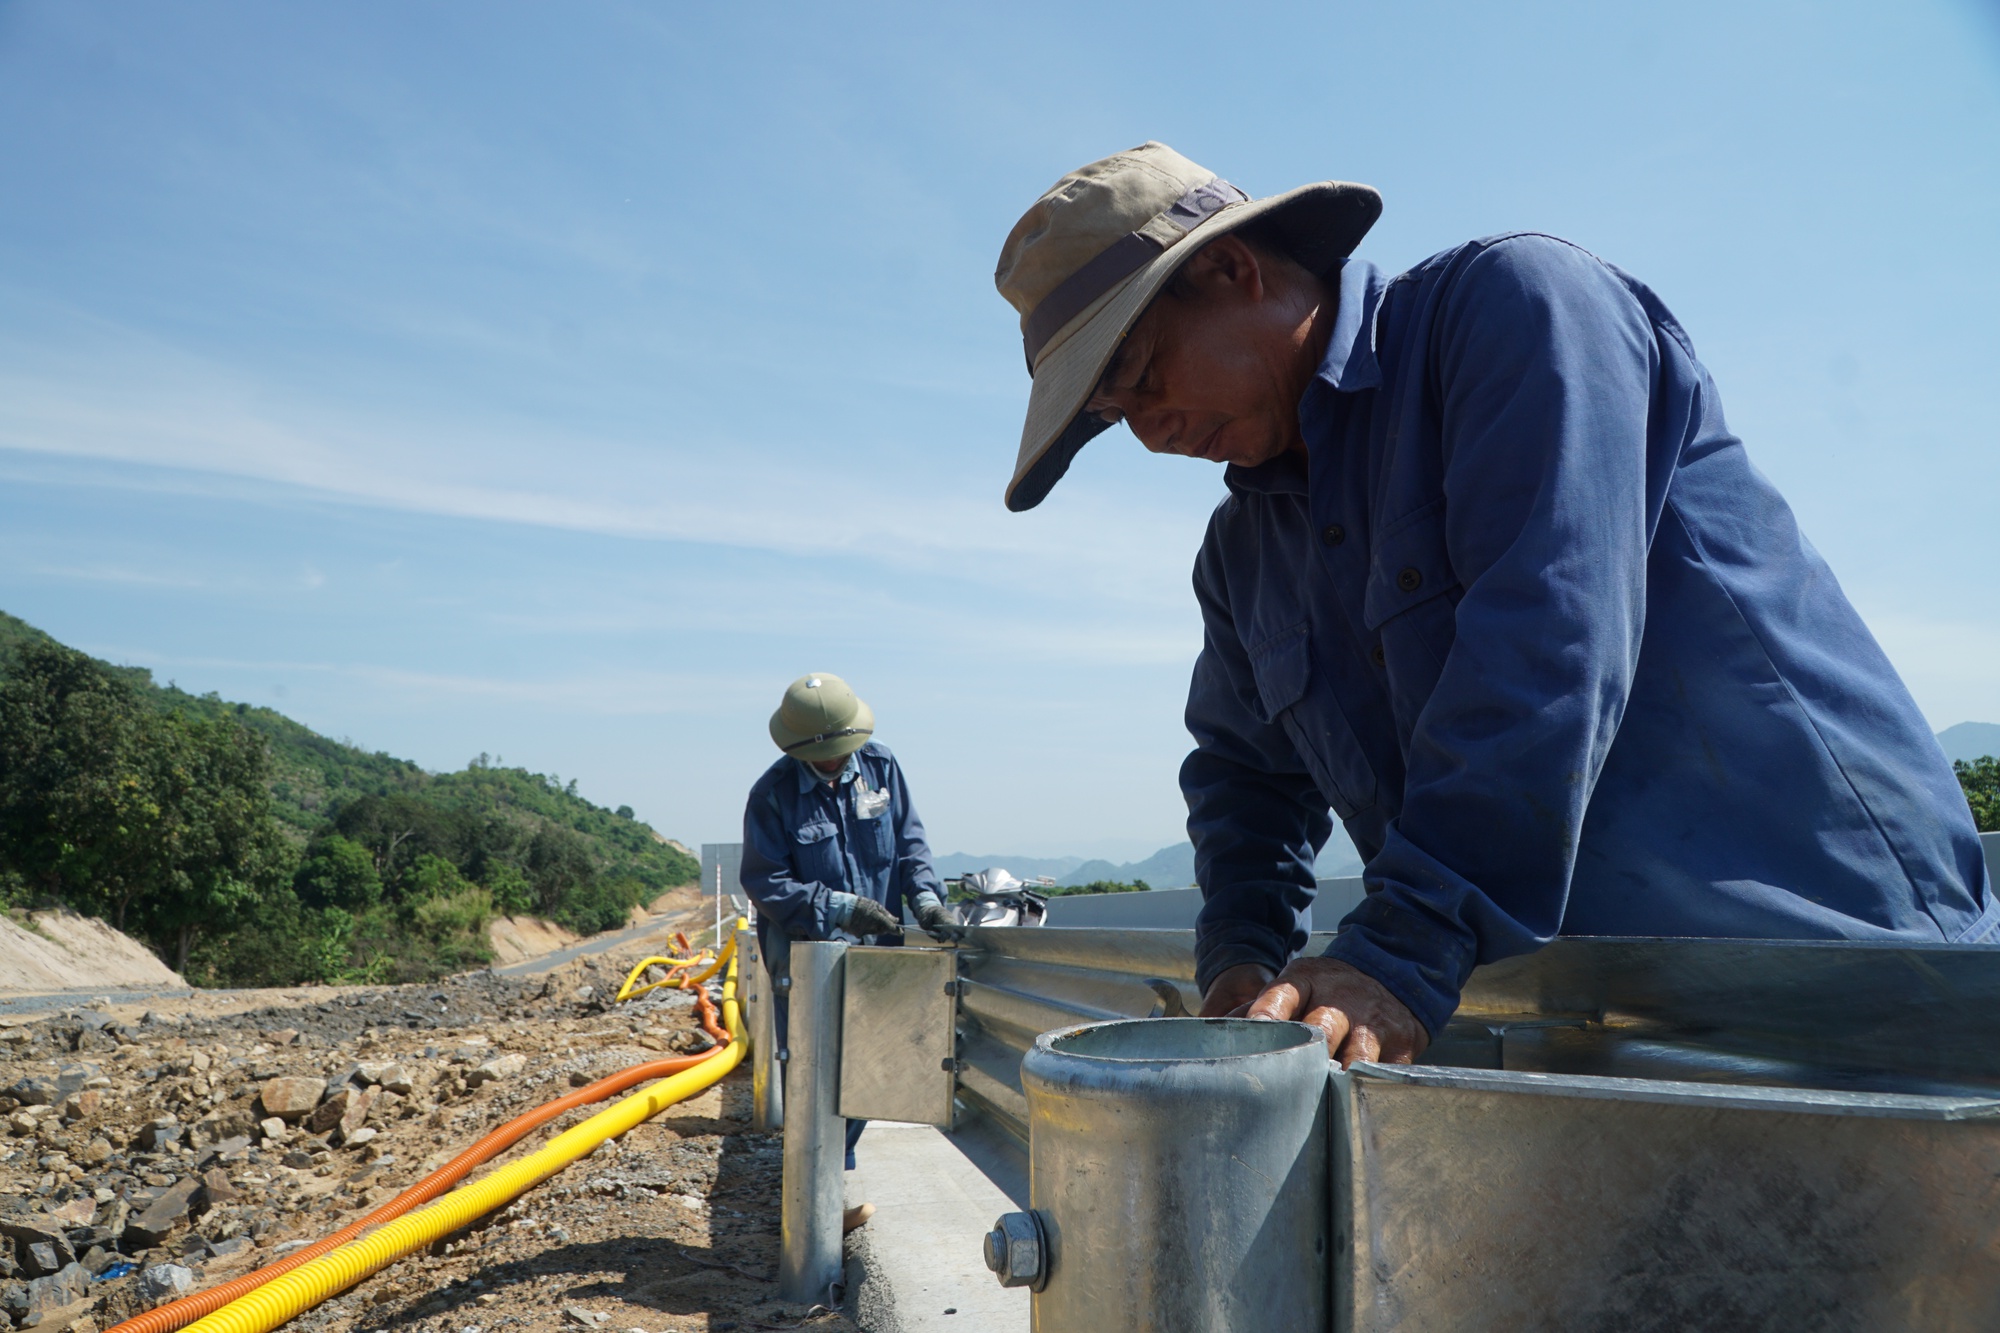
(339, 863)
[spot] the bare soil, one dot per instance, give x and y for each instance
(516, 939)
(110, 1109)
(59, 950)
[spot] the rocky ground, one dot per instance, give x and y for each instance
(152, 1152)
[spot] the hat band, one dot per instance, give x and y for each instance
(824, 736)
(1120, 260)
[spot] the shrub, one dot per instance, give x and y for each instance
(1981, 781)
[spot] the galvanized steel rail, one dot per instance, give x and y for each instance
(1568, 1159)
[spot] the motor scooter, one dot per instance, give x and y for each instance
(999, 899)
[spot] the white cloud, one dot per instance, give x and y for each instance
(609, 694)
(127, 398)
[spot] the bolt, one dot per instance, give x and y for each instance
(1016, 1252)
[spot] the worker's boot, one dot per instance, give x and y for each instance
(856, 1217)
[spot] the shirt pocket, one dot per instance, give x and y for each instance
(1282, 665)
(874, 836)
(816, 854)
(1411, 605)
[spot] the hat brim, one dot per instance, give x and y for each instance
(861, 729)
(1318, 224)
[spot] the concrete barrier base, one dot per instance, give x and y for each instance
(917, 1267)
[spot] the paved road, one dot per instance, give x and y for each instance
(599, 944)
(56, 1001)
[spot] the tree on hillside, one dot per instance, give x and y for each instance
(559, 864)
(218, 850)
(75, 810)
(402, 827)
(338, 872)
(159, 821)
(1981, 780)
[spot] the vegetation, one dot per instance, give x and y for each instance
(246, 849)
(1104, 886)
(1981, 780)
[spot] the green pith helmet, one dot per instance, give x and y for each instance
(820, 718)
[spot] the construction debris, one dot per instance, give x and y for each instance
(148, 1153)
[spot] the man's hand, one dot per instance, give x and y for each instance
(1361, 1019)
(871, 918)
(937, 921)
(1231, 994)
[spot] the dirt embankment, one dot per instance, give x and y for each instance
(51, 951)
(145, 1152)
(519, 938)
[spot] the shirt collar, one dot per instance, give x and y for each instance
(1283, 475)
(810, 777)
(1348, 367)
(1349, 364)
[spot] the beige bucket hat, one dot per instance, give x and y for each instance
(1084, 263)
(821, 718)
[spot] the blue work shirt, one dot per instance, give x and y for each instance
(806, 839)
(1528, 621)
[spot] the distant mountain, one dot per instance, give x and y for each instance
(1168, 868)
(1970, 740)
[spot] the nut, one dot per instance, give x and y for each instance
(1016, 1251)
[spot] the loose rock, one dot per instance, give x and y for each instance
(54, 1248)
(33, 1092)
(216, 1187)
(291, 1097)
(46, 1295)
(387, 1074)
(165, 1282)
(499, 1067)
(327, 1115)
(157, 1222)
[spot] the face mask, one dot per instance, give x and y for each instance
(821, 776)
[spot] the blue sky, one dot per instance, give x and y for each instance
(560, 381)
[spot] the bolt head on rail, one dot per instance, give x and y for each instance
(1017, 1252)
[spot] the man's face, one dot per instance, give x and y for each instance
(829, 767)
(1215, 367)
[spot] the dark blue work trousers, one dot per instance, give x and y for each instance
(776, 949)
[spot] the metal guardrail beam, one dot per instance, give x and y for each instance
(1610, 1133)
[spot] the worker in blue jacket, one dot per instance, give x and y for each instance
(1493, 583)
(832, 846)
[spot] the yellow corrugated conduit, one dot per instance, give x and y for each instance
(296, 1292)
(632, 989)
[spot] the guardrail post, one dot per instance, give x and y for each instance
(809, 1257)
(767, 1073)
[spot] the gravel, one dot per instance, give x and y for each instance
(155, 1152)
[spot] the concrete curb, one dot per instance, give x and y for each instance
(916, 1267)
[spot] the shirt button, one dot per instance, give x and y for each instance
(1380, 658)
(1409, 580)
(1333, 534)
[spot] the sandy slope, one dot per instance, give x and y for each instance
(63, 951)
(518, 938)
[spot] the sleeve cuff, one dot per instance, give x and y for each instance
(839, 909)
(1229, 946)
(1424, 992)
(925, 899)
